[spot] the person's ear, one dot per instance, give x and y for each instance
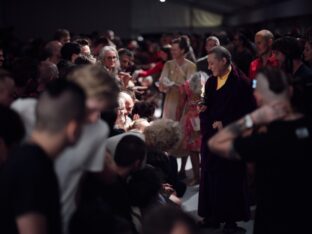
(73, 131)
(224, 61)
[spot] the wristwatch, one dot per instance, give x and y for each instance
(248, 121)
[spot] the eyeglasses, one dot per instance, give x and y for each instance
(111, 57)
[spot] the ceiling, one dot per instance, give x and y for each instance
(228, 7)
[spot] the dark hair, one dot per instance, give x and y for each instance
(221, 52)
(277, 79)
(144, 109)
(60, 33)
(69, 49)
(82, 42)
(166, 49)
(289, 46)
(124, 51)
(102, 41)
(61, 102)
(129, 149)
(83, 60)
(162, 219)
(183, 42)
(12, 129)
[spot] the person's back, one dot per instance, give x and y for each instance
(88, 154)
(282, 157)
(33, 188)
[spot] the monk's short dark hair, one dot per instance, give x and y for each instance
(221, 52)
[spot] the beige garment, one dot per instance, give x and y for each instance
(177, 74)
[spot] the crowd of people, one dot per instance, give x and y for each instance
(91, 127)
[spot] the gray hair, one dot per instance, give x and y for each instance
(163, 134)
(197, 81)
(105, 49)
(215, 39)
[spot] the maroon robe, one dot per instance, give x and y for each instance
(223, 185)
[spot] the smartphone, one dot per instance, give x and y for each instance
(254, 84)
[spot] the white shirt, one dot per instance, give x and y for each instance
(26, 107)
(87, 155)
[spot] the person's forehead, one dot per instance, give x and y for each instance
(260, 38)
(212, 57)
(175, 46)
(110, 52)
(211, 42)
(125, 57)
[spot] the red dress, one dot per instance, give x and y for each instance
(190, 119)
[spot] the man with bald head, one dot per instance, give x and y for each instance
(282, 154)
(263, 40)
(53, 51)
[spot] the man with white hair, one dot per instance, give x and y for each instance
(282, 154)
(202, 63)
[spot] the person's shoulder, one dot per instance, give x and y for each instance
(29, 159)
(255, 62)
(28, 151)
(190, 63)
(98, 129)
(170, 62)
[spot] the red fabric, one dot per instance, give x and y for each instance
(256, 64)
(156, 69)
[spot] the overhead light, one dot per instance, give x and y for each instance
(162, 0)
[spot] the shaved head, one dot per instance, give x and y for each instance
(265, 34)
(62, 102)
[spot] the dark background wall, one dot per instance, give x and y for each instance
(128, 18)
(42, 18)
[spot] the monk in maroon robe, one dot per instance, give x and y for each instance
(223, 185)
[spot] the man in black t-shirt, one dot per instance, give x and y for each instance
(29, 198)
(282, 152)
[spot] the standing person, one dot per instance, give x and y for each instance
(288, 52)
(222, 191)
(202, 63)
(29, 198)
(174, 74)
(243, 52)
(62, 35)
(282, 155)
(192, 92)
(88, 154)
(263, 40)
